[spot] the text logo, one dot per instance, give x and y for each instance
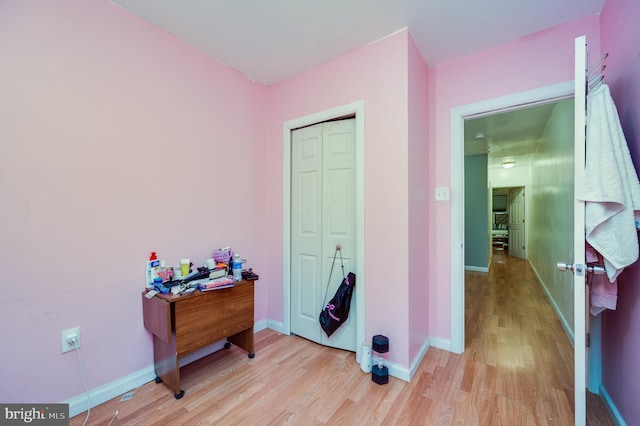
(34, 414)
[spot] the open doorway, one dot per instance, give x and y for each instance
(551, 187)
(508, 221)
(459, 117)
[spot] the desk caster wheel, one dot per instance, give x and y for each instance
(158, 379)
(179, 395)
(251, 355)
(227, 345)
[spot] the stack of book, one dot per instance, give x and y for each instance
(215, 284)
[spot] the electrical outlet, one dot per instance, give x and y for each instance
(67, 337)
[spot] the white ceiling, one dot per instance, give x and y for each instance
(506, 136)
(270, 41)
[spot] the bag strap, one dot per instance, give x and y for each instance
(338, 250)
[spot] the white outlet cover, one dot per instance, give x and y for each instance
(442, 193)
(66, 347)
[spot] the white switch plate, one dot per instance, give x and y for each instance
(442, 193)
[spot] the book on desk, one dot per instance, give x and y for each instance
(216, 283)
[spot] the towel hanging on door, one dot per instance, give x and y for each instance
(336, 312)
(611, 189)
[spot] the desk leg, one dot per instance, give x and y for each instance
(166, 365)
(244, 340)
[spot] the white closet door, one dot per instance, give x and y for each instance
(322, 217)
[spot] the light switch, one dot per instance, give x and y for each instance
(442, 193)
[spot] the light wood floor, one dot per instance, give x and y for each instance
(516, 370)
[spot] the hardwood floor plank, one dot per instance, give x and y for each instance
(517, 369)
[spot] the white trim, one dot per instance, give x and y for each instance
(356, 108)
(444, 344)
(563, 320)
(417, 360)
(458, 115)
(611, 407)
(108, 391)
(275, 326)
(476, 268)
(397, 371)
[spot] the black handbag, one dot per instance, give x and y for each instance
(336, 312)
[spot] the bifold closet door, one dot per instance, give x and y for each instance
(322, 217)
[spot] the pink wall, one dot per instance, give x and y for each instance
(621, 328)
(116, 141)
(377, 74)
(535, 61)
(107, 120)
(419, 197)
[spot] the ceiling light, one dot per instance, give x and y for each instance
(480, 136)
(508, 164)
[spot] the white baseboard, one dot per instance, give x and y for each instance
(415, 364)
(108, 391)
(611, 407)
(407, 375)
(104, 393)
(273, 325)
(565, 324)
(444, 344)
(476, 268)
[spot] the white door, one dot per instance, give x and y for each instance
(322, 217)
(579, 346)
(516, 222)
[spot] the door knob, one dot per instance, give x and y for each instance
(576, 268)
(595, 269)
(561, 266)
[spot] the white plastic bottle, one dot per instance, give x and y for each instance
(153, 266)
(236, 267)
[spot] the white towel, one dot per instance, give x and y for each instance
(611, 188)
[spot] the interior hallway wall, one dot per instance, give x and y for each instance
(552, 195)
(476, 211)
(621, 328)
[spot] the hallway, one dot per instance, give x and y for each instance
(518, 354)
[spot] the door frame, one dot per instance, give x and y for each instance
(458, 115)
(355, 108)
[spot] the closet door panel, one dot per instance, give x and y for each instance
(338, 218)
(306, 232)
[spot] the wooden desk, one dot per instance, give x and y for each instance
(184, 324)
